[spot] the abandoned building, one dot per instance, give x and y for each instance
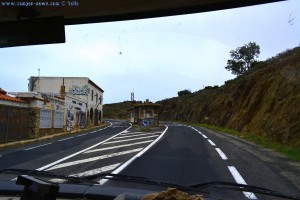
(145, 114)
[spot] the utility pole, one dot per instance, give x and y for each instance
(132, 98)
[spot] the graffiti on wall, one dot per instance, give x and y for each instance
(70, 118)
(82, 122)
(54, 103)
(76, 90)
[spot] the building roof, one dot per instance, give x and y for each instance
(95, 85)
(5, 97)
(89, 80)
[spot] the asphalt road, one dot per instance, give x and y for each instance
(173, 153)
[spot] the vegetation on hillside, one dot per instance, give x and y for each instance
(117, 110)
(243, 58)
(264, 101)
(184, 92)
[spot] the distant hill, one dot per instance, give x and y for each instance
(265, 101)
(117, 110)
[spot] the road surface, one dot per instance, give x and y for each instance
(173, 153)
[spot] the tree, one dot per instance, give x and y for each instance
(242, 58)
(184, 92)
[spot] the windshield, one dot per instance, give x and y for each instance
(186, 100)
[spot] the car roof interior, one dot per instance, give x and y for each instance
(30, 23)
(94, 11)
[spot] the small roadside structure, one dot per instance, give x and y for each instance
(145, 114)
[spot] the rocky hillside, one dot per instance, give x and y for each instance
(265, 101)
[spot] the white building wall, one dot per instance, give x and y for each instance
(81, 98)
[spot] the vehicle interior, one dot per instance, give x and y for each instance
(23, 24)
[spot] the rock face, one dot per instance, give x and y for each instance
(265, 101)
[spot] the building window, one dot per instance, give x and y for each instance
(92, 97)
(45, 118)
(96, 98)
(74, 102)
(58, 119)
(80, 104)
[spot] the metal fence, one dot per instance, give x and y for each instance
(14, 123)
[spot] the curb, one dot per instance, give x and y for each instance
(10, 144)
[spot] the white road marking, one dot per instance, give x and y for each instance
(198, 132)
(239, 179)
(76, 162)
(81, 135)
(37, 146)
(119, 169)
(211, 142)
(96, 171)
(119, 146)
(130, 139)
(134, 135)
(65, 139)
(79, 152)
(223, 156)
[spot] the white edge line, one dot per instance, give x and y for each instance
(65, 139)
(79, 152)
(239, 179)
(119, 169)
(37, 146)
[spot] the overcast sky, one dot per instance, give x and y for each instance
(155, 57)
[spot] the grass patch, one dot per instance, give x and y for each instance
(144, 128)
(291, 152)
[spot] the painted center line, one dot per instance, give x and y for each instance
(120, 168)
(223, 156)
(239, 179)
(37, 146)
(67, 164)
(119, 146)
(130, 139)
(211, 142)
(96, 171)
